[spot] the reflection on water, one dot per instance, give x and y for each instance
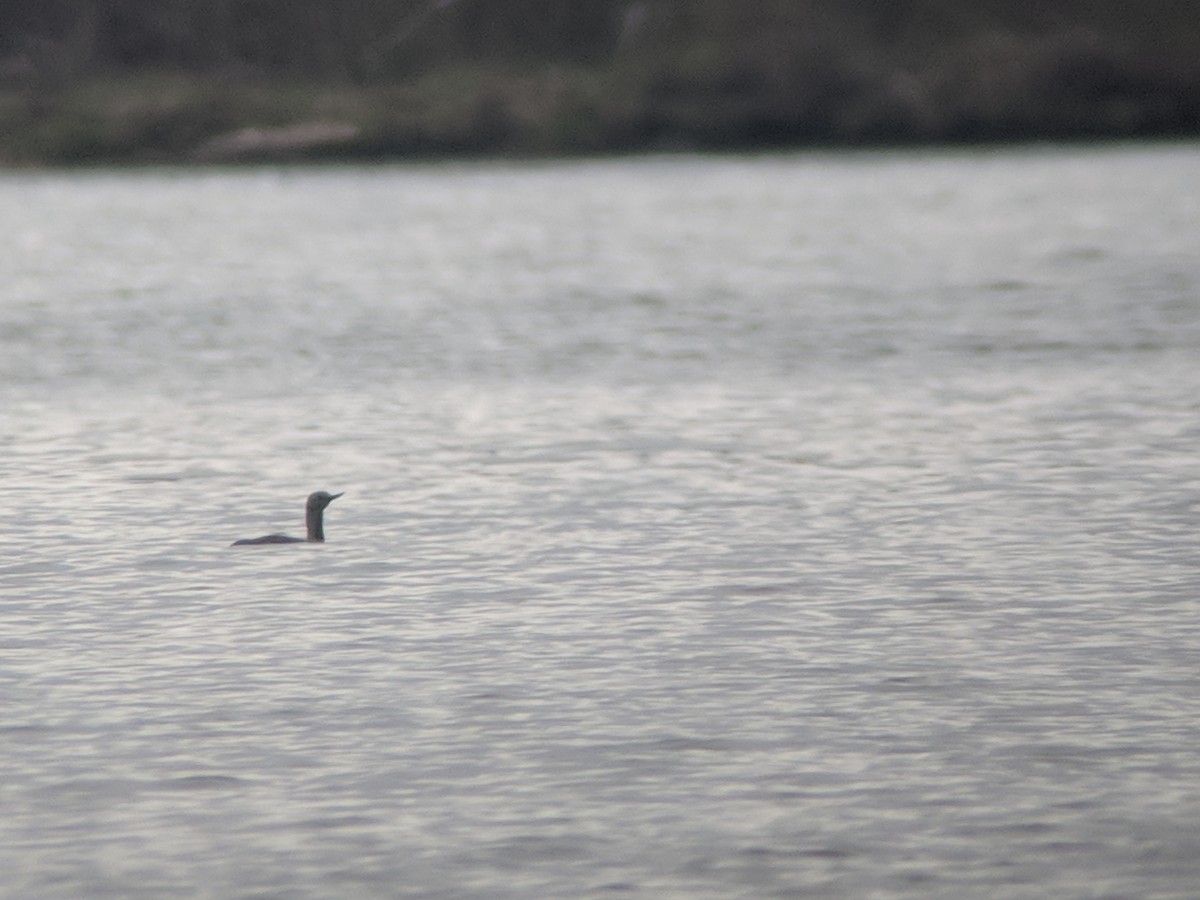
(789, 526)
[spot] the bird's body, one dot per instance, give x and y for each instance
(314, 520)
(271, 539)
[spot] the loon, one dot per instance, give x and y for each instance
(314, 514)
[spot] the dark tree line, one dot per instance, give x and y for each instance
(353, 39)
(373, 39)
(561, 75)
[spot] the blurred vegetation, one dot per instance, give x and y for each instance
(152, 80)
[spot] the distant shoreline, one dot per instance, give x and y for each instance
(156, 118)
(442, 78)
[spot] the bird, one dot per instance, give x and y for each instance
(314, 515)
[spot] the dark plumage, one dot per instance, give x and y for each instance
(314, 519)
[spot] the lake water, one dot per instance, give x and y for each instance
(803, 525)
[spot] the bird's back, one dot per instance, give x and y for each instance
(270, 539)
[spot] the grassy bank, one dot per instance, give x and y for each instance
(722, 76)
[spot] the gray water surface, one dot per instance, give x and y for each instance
(792, 526)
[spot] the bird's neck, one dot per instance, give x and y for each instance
(314, 519)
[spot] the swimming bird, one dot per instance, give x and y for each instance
(314, 518)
